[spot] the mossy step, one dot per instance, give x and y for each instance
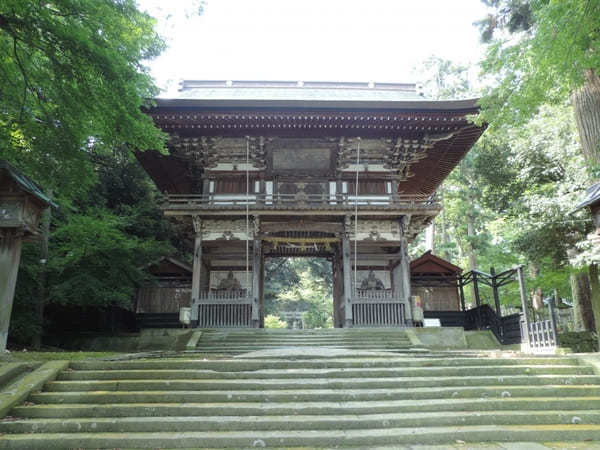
(166, 374)
(147, 409)
(311, 383)
(298, 422)
(314, 394)
(282, 363)
(315, 331)
(10, 371)
(251, 348)
(310, 438)
(377, 343)
(316, 339)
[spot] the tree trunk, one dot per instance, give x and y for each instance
(595, 297)
(444, 230)
(470, 246)
(36, 342)
(586, 102)
(582, 302)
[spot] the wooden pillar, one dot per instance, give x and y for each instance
(262, 288)
(497, 302)
(256, 274)
(523, 292)
(404, 268)
(495, 292)
(196, 267)
(462, 293)
(477, 299)
(347, 269)
(338, 288)
(10, 256)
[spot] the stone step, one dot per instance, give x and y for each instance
(322, 363)
(303, 343)
(299, 422)
(267, 374)
(314, 331)
(324, 408)
(311, 383)
(224, 349)
(307, 338)
(305, 438)
(312, 395)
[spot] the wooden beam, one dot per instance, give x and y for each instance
(325, 227)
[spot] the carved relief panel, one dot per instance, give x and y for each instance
(226, 230)
(375, 230)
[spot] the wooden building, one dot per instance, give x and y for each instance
(435, 280)
(344, 171)
(168, 290)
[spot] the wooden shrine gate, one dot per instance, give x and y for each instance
(227, 293)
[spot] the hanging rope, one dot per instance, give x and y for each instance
(356, 217)
(247, 211)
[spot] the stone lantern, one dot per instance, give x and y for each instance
(21, 205)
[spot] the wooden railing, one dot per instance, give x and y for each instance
(377, 308)
(193, 201)
(378, 314)
(225, 309)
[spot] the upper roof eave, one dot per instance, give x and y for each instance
(466, 105)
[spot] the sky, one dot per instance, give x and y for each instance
(311, 40)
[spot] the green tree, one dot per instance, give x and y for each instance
(272, 321)
(73, 84)
(543, 51)
(73, 81)
(540, 52)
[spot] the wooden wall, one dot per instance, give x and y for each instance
(156, 299)
(438, 298)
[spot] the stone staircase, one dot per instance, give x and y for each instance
(312, 396)
(237, 341)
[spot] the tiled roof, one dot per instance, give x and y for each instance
(307, 94)
(26, 184)
(592, 195)
(281, 90)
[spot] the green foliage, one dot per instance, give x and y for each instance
(517, 186)
(272, 321)
(92, 260)
(73, 82)
(301, 284)
(443, 79)
(579, 341)
(541, 65)
(97, 246)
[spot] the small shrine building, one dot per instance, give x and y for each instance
(344, 171)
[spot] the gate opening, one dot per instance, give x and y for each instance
(298, 293)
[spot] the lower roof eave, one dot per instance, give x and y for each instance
(310, 212)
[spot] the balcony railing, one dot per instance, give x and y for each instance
(224, 309)
(275, 201)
